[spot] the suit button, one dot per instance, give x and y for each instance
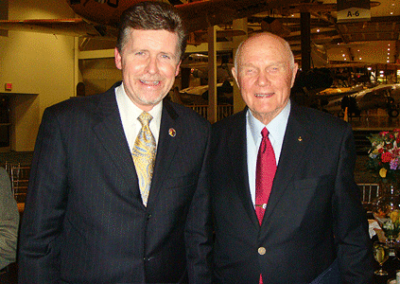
(261, 250)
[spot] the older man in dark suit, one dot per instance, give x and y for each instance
(119, 183)
(286, 207)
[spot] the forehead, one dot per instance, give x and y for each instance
(264, 49)
(160, 40)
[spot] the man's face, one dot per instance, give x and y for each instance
(265, 76)
(149, 64)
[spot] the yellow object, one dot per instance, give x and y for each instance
(394, 215)
(144, 154)
(383, 172)
(346, 117)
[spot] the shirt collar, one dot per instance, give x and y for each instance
(130, 112)
(276, 127)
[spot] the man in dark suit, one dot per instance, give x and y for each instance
(312, 227)
(91, 214)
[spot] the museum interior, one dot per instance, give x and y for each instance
(348, 58)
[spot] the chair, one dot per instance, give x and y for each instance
(369, 194)
(19, 183)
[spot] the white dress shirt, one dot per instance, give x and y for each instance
(276, 129)
(129, 113)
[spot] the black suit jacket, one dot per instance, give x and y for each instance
(314, 214)
(84, 220)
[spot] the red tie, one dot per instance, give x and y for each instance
(265, 172)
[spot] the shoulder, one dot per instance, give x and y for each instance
(3, 173)
(84, 102)
(5, 182)
(317, 119)
(186, 115)
(89, 105)
(234, 121)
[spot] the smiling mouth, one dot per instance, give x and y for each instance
(264, 95)
(150, 82)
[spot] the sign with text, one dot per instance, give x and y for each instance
(353, 10)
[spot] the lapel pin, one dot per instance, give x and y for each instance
(172, 132)
(300, 139)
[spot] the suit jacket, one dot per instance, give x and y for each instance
(84, 220)
(314, 214)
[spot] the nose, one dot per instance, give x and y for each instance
(263, 79)
(152, 65)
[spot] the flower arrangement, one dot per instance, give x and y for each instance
(384, 155)
(390, 222)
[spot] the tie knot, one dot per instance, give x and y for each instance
(264, 133)
(145, 118)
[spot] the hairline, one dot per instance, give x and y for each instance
(128, 34)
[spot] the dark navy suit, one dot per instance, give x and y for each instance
(85, 221)
(314, 214)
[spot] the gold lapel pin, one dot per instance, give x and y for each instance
(172, 132)
(300, 139)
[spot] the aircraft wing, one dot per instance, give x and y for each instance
(202, 14)
(334, 95)
(70, 27)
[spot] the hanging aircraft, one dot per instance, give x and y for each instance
(386, 96)
(99, 18)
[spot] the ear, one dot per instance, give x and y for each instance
(296, 66)
(178, 68)
(235, 76)
(117, 59)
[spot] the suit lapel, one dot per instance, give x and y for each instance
(166, 148)
(297, 138)
(110, 133)
(237, 148)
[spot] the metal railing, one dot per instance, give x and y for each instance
(222, 110)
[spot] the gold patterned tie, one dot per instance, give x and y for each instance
(144, 154)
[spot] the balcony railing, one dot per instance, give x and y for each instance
(222, 110)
